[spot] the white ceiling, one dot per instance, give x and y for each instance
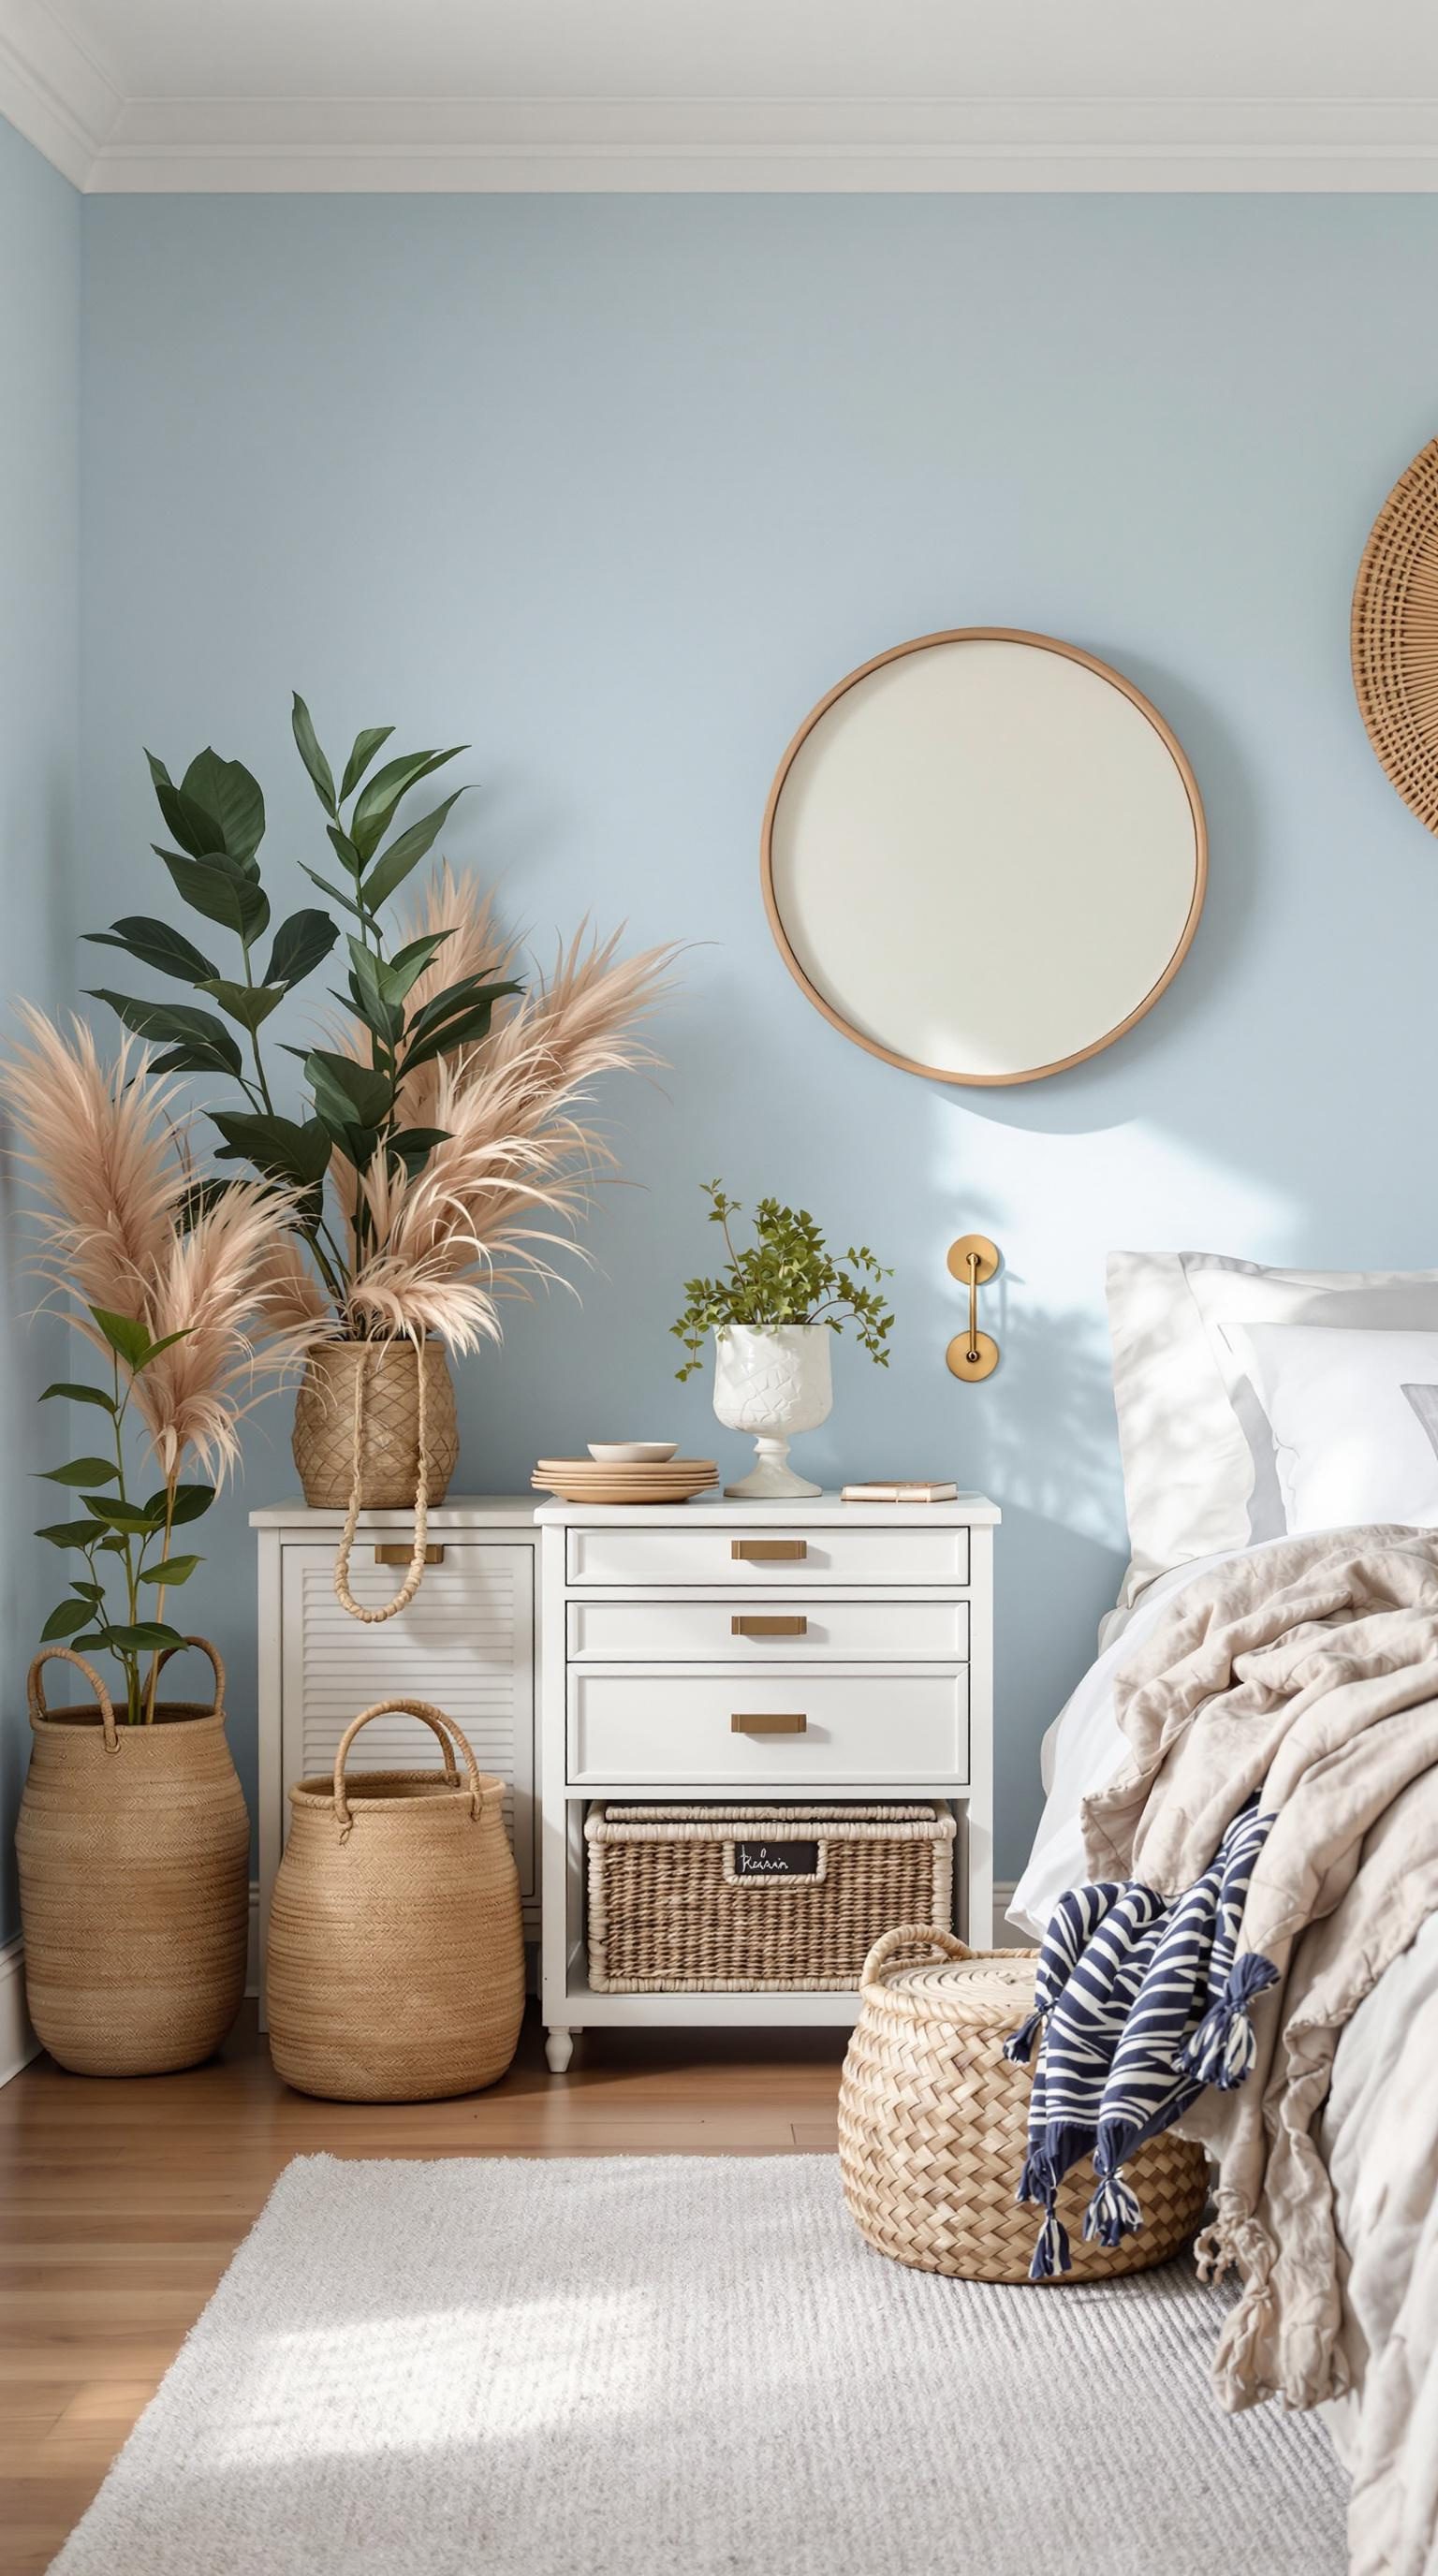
(749, 94)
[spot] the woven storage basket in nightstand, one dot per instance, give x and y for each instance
(756, 1900)
(933, 2125)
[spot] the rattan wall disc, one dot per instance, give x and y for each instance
(1395, 636)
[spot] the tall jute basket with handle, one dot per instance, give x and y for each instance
(395, 1962)
(933, 2124)
(134, 1852)
(376, 1428)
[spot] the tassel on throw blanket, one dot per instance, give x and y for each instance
(1140, 2001)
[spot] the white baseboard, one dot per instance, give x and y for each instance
(18, 2043)
(1005, 1935)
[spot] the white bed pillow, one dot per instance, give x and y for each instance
(1354, 1421)
(1197, 1459)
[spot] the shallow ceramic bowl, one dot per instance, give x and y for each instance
(614, 1453)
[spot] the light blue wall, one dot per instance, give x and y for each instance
(39, 604)
(615, 489)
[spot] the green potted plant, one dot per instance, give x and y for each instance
(772, 1310)
(133, 1840)
(441, 1137)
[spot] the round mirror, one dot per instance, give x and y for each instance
(984, 856)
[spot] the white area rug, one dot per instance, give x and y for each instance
(628, 2365)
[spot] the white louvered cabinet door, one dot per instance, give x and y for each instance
(466, 1643)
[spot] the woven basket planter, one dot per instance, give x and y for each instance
(933, 2122)
(756, 1900)
(134, 1852)
(380, 1380)
(395, 1961)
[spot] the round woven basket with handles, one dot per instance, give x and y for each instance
(395, 1961)
(134, 1851)
(933, 2125)
(375, 1430)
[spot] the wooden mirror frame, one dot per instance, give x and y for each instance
(1105, 671)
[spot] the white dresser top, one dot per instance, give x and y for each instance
(462, 1511)
(968, 1511)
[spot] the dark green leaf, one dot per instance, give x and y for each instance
(87, 1591)
(82, 1471)
(226, 789)
(321, 775)
(201, 1196)
(81, 1534)
(125, 1517)
(300, 944)
(365, 746)
(391, 869)
(221, 889)
(250, 1004)
(466, 995)
(413, 1146)
(371, 817)
(202, 1041)
(191, 1502)
(345, 1092)
(125, 1334)
(64, 1621)
(278, 1146)
(155, 944)
(194, 829)
(77, 1394)
(470, 1027)
(146, 1636)
(419, 952)
(176, 1569)
(344, 849)
(346, 902)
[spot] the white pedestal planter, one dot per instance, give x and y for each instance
(772, 1384)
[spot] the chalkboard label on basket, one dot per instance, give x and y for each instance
(776, 1860)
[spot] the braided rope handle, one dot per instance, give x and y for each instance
(205, 1648)
(912, 1942)
(451, 1739)
(36, 1697)
(415, 1576)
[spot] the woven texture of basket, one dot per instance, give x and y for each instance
(395, 1960)
(1395, 636)
(933, 2125)
(680, 1898)
(134, 1855)
(388, 1460)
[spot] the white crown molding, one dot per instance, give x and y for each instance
(72, 110)
(51, 90)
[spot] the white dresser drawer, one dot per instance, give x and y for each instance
(780, 1630)
(671, 1727)
(768, 1557)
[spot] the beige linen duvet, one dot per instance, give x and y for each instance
(1309, 1675)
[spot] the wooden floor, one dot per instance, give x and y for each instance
(121, 2204)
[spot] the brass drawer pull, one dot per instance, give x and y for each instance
(401, 1552)
(769, 1551)
(757, 1723)
(754, 1623)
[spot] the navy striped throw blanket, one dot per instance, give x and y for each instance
(1140, 2001)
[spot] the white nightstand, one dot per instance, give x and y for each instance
(661, 1629)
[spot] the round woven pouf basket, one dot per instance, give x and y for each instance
(134, 1851)
(933, 2125)
(395, 1961)
(357, 1426)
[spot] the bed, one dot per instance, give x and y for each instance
(1281, 1429)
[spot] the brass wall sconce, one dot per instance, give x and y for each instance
(973, 1259)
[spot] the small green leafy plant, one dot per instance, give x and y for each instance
(785, 1276)
(127, 1540)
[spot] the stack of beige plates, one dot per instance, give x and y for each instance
(589, 1480)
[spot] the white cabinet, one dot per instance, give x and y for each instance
(716, 1649)
(467, 1643)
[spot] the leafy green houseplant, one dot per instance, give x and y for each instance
(772, 1310)
(439, 1149)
